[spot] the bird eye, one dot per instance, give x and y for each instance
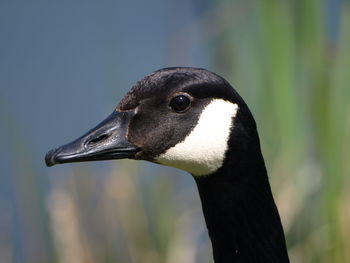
(180, 103)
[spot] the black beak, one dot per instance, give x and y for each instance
(104, 142)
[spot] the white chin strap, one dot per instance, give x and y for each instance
(202, 152)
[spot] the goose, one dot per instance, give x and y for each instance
(193, 119)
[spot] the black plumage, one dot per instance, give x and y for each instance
(240, 213)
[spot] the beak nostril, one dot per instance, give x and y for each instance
(97, 139)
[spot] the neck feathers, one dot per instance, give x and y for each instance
(240, 213)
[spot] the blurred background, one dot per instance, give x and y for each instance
(64, 66)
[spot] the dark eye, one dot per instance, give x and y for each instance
(180, 103)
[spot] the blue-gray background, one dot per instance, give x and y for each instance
(65, 65)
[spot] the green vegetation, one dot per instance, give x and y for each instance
(296, 79)
(294, 74)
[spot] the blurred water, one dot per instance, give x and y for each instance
(64, 66)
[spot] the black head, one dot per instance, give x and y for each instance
(182, 117)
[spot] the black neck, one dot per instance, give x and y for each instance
(241, 215)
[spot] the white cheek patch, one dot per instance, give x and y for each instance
(202, 152)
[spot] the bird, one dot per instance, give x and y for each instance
(194, 120)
